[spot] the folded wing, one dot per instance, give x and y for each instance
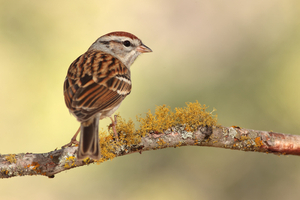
(95, 82)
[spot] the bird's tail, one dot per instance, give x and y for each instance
(89, 140)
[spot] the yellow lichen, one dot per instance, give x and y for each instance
(107, 151)
(67, 166)
(192, 116)
(161, 142)
(70, 162)
(108, 147)
(35, 165)
(160, 121)
(71, 158)
(86, 160)
(258, 142)
(245, 138)
(178, 145)
(127, 133)
(11, 158)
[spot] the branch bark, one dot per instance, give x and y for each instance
(235, 138)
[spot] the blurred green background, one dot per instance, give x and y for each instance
(240, 57)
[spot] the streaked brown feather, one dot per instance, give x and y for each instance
(96, 82)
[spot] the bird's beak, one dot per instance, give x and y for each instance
(143, 49)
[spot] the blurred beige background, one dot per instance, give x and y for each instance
(240, 57)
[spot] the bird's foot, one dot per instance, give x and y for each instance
(113, 126)
(73, 140)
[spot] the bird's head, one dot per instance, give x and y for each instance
(122, 45)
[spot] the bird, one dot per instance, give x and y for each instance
(96, 84)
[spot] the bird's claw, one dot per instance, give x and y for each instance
(73, 140)
(113, 126)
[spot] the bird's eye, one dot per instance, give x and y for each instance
(126, 43)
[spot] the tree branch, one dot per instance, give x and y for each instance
(51, 163)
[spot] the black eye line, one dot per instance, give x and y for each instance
(104, 42)
(127, 41)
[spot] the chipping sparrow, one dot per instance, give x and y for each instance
(96, 84)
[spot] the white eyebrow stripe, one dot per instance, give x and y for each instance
(112, 37)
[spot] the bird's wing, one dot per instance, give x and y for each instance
(95, 82)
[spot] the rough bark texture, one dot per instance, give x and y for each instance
(51, 163)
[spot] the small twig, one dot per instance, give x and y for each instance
(49, 164)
